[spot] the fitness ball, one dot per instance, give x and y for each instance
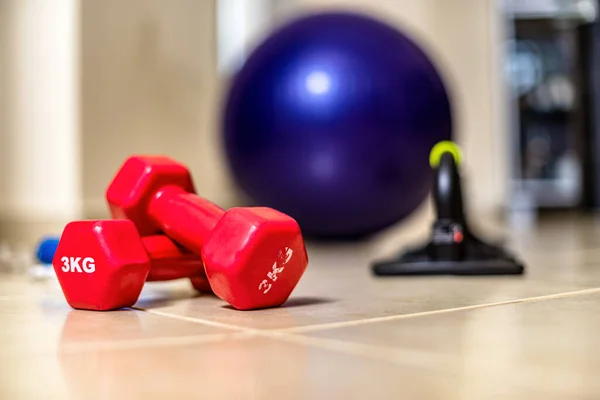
(331, 120)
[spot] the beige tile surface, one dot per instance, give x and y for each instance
(367, 299)
(253, 368)
(549, 346)
(563, 249)
(38, 322)
(559, 233)
(338, 286)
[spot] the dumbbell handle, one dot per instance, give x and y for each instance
(185, 217)
(169, 261)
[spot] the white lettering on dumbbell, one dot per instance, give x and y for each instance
(71, 264)
(273, 273)
(283, 257)
(89, 265)
(288, 254)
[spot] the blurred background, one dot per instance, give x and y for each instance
(84, 84)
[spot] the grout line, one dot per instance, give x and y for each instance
(343, 324)
(397, 356)
(404, 357)
(199, 321)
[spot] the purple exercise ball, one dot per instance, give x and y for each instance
(331, 120)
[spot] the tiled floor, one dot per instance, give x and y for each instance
(343, 335)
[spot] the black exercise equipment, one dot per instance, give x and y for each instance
(453, 249)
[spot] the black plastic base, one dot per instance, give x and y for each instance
(471, 257)
(464, 267)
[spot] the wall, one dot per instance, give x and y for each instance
(470, 36)
(149, 83)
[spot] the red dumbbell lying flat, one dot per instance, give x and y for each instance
(253, 256)
(102, 265)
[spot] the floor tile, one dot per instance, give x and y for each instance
(339, 286)
(548, 347)
(254, 368)
(560, 233)
(17, 286)
(580, 268)
(332, 292)
(40, 323)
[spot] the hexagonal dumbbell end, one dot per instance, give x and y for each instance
(95, 270)
(138, 182)
(255, 257)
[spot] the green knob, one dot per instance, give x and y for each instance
(441, 148)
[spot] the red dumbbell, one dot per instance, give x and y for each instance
(253, 256)
(102, 265)
(162, 251)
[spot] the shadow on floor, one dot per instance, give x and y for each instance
(296, 302)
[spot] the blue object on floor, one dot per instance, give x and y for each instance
(46, 249)
(331, 120)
